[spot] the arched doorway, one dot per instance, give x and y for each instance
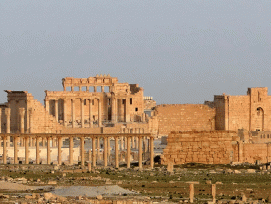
(259, 120)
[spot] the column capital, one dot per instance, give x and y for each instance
(7, 111)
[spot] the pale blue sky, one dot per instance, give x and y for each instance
(178, 51)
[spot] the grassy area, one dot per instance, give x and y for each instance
(157, 183)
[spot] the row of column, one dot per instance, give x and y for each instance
(114, 111)
(73, 111)
(87, 88)
(82, 151)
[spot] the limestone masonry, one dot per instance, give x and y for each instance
(228, 129)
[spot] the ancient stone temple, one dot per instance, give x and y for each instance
(86, 105)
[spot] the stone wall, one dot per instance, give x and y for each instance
(208, 147)
(184, 117)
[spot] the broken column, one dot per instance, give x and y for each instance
(26, 150)
(82, 113)
(99, 112)
(22, 114)
(152, 152)
(191, 190)
(214, 192)
(93, 152)
(71, 151)
(59, 143)
(105, 151)
(4, 149)
(15, 143)
(117, 152)
(56, 109)
(140, 152)
(48, 151)
(82, 151)
(37, 150)
(73, 113)
(128, 151)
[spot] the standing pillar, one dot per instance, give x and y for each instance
(240, 148)
(90, 114)
(152, 152)
(102, 89)
(82, 151)
(37, 150)
(140, 152)
(26, 150)
(127, 110)
(56, 109)
(105, 151)
(93, 152)
(108, 147)
(117, 152)
(121, 143)
(15, 143)
(7, 113)
(73, 113)
(59, 143)
(100, 112)
(4, 149)
(191, 192)
(22, 114)
(71, 151)
(48, 151)
(95, 88)
(214, 192)
(113, 109)
(82, 114)
(128, 151)
(64, 112)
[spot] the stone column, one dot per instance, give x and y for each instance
(4, 149)
(56, 109)
(73, 113)
(47, 105)
(82, 114)
(140, 152)
(22, 114)
(82, 151)
(102, 88)
(93, 152)
(191, 192)
(65, 112)
(87, 89)
(26, 150)
(15, 143)
(98, 148)
(127, 110)
(117, 152)
(71, 151)
(90, 114)
(113, 109)
(7, 113)
(108, 147)
(37, 150)
(59, 143)
(151, 152)
(214, 192)
(105, 151)
(121, 142)
(128, 152)
(48, 151)
(100, 112)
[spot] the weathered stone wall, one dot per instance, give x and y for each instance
(250, 153)
(184, 117)
(208, 147)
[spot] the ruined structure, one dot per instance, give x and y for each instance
(220, 131)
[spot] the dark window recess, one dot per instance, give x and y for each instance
(92, 102)
(109, 101)
(85, 102)
(123, 101)
(131, 101)
(136, 109)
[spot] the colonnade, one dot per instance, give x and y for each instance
(58, 138)
(113, 103)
